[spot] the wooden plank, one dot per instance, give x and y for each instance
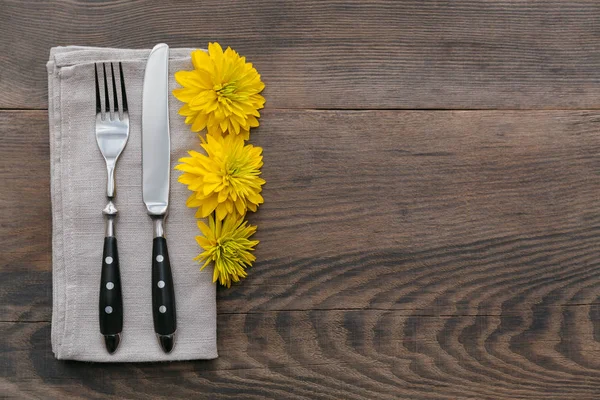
(412, 254)
(26, 223)
(350, 354)
(464, 54)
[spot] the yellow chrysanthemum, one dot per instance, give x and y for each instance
(226, 244)
(221, 93)
(226, 179)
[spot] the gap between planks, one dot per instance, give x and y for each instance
(379, 109)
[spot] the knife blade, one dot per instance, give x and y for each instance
(156, 168)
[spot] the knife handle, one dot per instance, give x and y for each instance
(163, 294)
(111, 300)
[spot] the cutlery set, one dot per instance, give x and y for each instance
(112, 132)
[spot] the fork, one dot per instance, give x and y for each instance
(112, 132)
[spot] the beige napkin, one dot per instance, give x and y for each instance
(78, 186)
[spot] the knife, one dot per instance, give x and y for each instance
(155, 189)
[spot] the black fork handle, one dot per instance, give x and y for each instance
(111, 298)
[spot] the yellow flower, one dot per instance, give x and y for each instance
(226, 179)
(221, 93)
(226, 244)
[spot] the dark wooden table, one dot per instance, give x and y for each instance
(431, 227)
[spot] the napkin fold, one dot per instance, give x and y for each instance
(78, 192)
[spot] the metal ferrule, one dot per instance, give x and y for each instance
(159, 226)
(110, 226)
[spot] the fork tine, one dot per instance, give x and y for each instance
(98, 104)
(123, 93)
(114, 87)
(106, 101)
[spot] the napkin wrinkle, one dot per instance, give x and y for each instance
(78, 184)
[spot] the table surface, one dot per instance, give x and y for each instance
(431, 225)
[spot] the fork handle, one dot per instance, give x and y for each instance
(111, 300)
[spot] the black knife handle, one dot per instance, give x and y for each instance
(163, 294)
(111, 300)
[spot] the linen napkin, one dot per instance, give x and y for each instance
(78, 192)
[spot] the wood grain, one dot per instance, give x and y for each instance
(327, 354)
(403, 254)
(463, 54)
(26, 222)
